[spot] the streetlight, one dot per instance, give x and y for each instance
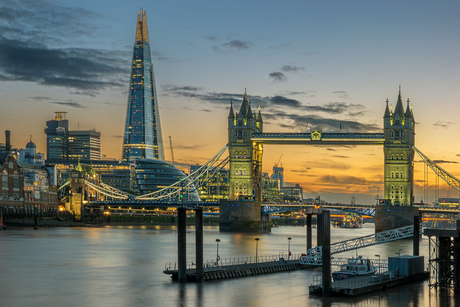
(257, 247)
(379, 261)
(217, 257)
(289, 248)
(399, 252)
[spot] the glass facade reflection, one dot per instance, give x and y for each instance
(142, 138)
(153, 175)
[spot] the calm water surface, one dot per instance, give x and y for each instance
(123, 266)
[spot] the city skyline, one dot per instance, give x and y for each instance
(308, 65)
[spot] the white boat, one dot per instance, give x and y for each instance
(355, 267)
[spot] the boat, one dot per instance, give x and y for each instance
(355, 267)
(351, 220)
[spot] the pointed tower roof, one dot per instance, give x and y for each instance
(231, 114)
(259, 117)
(408, 109)
(142, 33)
(387, 110)
(245, 109)
(399, 109)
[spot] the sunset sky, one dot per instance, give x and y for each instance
(306, 63)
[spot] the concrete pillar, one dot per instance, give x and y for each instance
(326, 250)
(319, 229)
(182, 244)
(416, 245)
(199, 244)
(308, 231)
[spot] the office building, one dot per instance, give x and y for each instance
(64, 144)
(142, 137)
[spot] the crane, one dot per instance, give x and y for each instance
(172, 152)
(276, 164)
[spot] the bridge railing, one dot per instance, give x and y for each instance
(214, 264)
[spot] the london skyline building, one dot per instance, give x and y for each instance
(142, 136)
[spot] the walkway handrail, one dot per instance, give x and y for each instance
(314, 255)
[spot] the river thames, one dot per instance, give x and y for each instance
(123, 266)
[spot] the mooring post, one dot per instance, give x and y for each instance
(199, 244)
(326, 251)
(181, 245)
(456, 268)
(416, 245)
(35, 219)
(319, 229)
(308, 231)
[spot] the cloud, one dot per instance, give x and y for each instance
(117, 136)
(71, 104)
(443, 161)
(344, 180)
(337, 156)
(34, 49)
(290, 68)
(342, 94)
(286, 112)
(441, 124)
(277, 76)
(232, 45)
(189, 147)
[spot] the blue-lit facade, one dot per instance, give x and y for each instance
(142, 138)
(153, 175)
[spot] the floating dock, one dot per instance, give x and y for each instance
(239, 270)
(362, 285)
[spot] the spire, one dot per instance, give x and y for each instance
(142, 33)
(399, 109)
(231, 114)
(387, 110)
(259, 117)
(408, 110)
(245, 109)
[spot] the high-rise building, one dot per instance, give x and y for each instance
(84, 145)
(142, 138)
(63, 144)
(57, 131)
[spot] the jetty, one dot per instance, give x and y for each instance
(238, 267)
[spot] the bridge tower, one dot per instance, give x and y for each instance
(245, 157)
(399, 134)
(242, 211)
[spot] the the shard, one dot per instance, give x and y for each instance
(142, 138)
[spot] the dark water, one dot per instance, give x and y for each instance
(123, 267)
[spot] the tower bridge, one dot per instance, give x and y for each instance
(245, 150)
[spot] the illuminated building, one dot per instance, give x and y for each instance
(142, 138)
(56, 137)
(243, 181)
(291, 194)
(399, 131)
(27, 182)
(215, 188)
(270, 189)
(84, 144)
(153, 175)
(65, 144)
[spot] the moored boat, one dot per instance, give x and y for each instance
(351, 220)
(355, 267)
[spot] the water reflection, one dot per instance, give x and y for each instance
(121, 266)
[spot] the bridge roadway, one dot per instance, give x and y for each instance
(317, 137)
(156, 204)
(426, 208)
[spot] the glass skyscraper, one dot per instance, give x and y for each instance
(142, 138)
